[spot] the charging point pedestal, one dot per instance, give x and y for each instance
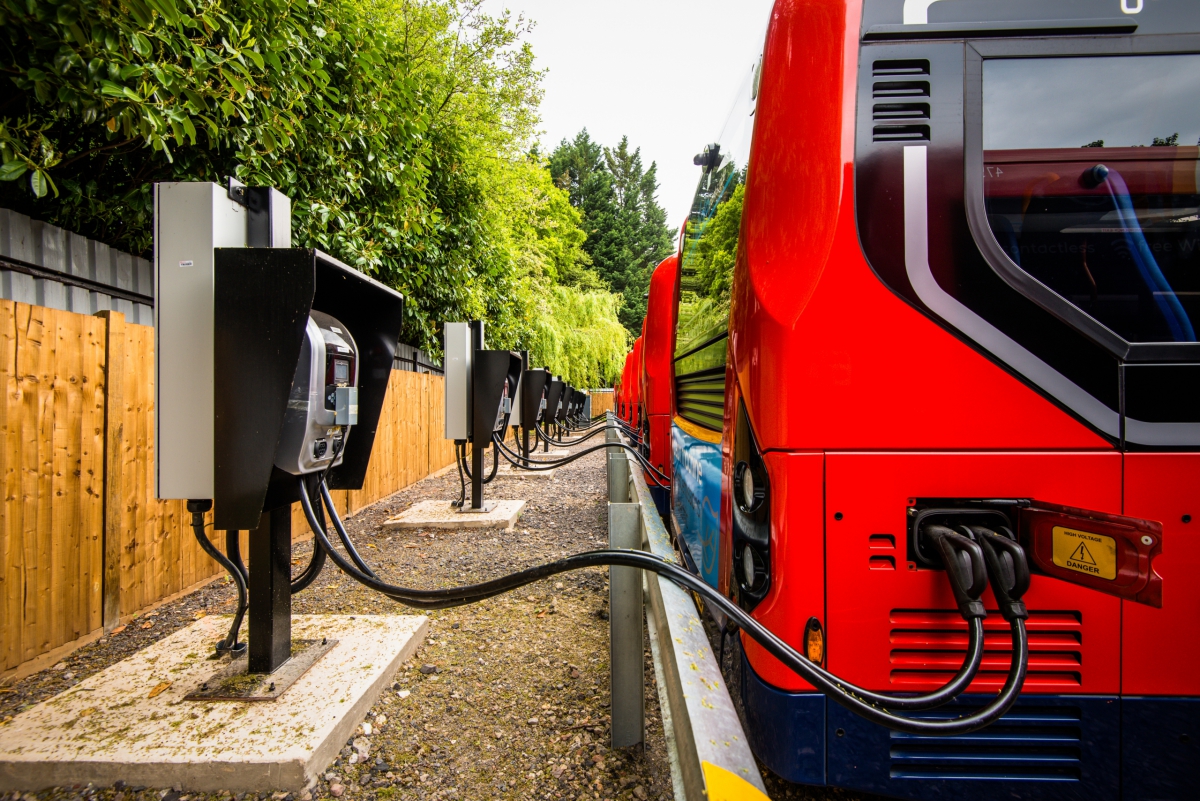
(270, 639)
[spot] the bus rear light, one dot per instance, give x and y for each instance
(1109, 553)
(814, 641)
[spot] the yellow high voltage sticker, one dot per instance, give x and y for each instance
(1094, 554)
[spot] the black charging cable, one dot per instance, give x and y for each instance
(835, 688)
(656, 475)
(317, 563)
(589, 435)
(467, 468)
(230, 644)
(459, 445)
(615, 422)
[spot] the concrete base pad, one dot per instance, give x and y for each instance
(130, 722)
(440, 514)
(508, 471)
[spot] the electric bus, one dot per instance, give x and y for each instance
(964, 281)
(658, 336)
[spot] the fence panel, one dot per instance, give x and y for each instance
(159, 555)
(83, 541)
(602, 401)
(51, 466)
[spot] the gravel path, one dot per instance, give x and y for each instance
(506, 699)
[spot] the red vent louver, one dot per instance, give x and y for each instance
(929, 645)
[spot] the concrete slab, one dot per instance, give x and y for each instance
(508, 471)
(130, 722)
(440, 514)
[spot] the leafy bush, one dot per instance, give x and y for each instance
(400, 129)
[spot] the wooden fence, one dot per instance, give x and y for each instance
(84, 543)
(602, 401)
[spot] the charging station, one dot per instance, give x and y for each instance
(534, 384)
(272, 362)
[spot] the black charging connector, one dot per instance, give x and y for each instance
(954, 513)
(963, 561)
(1008, 570)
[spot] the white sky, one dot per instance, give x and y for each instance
(662, 72)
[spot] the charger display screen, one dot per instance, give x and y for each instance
(341, 372)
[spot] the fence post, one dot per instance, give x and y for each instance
(114, 438)
(627, 678)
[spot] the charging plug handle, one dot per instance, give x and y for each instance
(965, 568)
(1007, 568)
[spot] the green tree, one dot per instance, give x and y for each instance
(627, 229)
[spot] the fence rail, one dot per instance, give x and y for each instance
(84, 543)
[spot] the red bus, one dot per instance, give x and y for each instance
(964, 279)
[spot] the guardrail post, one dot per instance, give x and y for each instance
(626, 663)
(618, 472)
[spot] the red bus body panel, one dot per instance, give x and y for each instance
(635, 384)
(658, 348)
(1159, 650)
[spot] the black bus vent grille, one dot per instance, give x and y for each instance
(900, 89)
(1029, 743)
(916, 66)
(901, 111)
(900, 133)
(900, 121)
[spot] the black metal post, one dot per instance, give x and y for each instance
(270, 591)
(477, 344)
(525, 424)
(476, 477)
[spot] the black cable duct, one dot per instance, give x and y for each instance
(841, 692)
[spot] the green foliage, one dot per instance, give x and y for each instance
(577, 335)
(308, 97)
(716, 250)
(627, 233)
(401, 129)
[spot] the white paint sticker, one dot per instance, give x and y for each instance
(187, 263)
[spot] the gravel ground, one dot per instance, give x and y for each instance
(506, 699)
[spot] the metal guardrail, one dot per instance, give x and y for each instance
(710, 754)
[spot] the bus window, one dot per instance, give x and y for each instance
(1091, 169)
(706, 267)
